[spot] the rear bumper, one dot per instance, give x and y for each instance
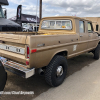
(18, 69)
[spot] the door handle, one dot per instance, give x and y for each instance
(89, 35)
(97, 36)
(81, 35)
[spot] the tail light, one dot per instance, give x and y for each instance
(28, 52)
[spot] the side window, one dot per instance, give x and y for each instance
(90, 28)
(81, 27)
(97, 27)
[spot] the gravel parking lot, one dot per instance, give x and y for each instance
(40, 87)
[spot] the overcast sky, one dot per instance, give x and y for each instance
(81, 8)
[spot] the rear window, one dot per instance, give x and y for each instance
(57, 24)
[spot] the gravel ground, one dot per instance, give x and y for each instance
(37, 83)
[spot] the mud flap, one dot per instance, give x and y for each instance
(3, 77)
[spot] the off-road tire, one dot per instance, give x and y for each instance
(3, 77)
(50, 72)
(97, 52)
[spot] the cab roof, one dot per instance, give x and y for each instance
(56, 17)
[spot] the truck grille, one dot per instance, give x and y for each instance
(11, 28)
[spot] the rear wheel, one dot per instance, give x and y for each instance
(97, 52)
(56, 71)
(3, 77)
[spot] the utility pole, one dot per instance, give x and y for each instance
(40, 15)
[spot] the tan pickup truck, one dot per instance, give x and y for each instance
(58, 39)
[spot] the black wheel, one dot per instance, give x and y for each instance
(3, 77)
(96, 52)
(56, 71)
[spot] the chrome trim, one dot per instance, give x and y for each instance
(14, 49)
(18, 69)
(59, 71)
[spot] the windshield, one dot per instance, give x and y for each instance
(57, 24)
(1, 13)
(24, 25)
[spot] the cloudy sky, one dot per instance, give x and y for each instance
(79, 8)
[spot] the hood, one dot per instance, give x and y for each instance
(7, 22)
(7, 25)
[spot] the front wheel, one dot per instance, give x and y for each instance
(56, 71)
(3, 77)
(97, 52)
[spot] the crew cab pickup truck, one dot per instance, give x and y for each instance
(58, 39)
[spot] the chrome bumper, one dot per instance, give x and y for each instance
(18, 69)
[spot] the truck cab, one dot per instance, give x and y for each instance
(5, 24)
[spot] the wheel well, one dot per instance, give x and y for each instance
(63, 53)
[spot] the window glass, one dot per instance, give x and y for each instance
(1, 13)
(52, 24)
(97, 27)
(67, 24)
(90, 29)
(46, 24)
(81, 27)
(57, 24)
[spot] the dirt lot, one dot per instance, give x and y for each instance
(37, 83)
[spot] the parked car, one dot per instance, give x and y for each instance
(27, 28)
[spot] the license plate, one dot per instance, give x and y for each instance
(3, 60)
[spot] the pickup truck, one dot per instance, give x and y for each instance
(47, 51)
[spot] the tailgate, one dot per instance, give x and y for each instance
(13, 54)
(13, 47)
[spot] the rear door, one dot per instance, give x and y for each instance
(83, 35)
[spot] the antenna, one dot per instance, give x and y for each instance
(36, 14)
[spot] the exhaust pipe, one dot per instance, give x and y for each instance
(41, 72)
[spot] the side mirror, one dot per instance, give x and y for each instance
(97, 27)
(5, 13)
